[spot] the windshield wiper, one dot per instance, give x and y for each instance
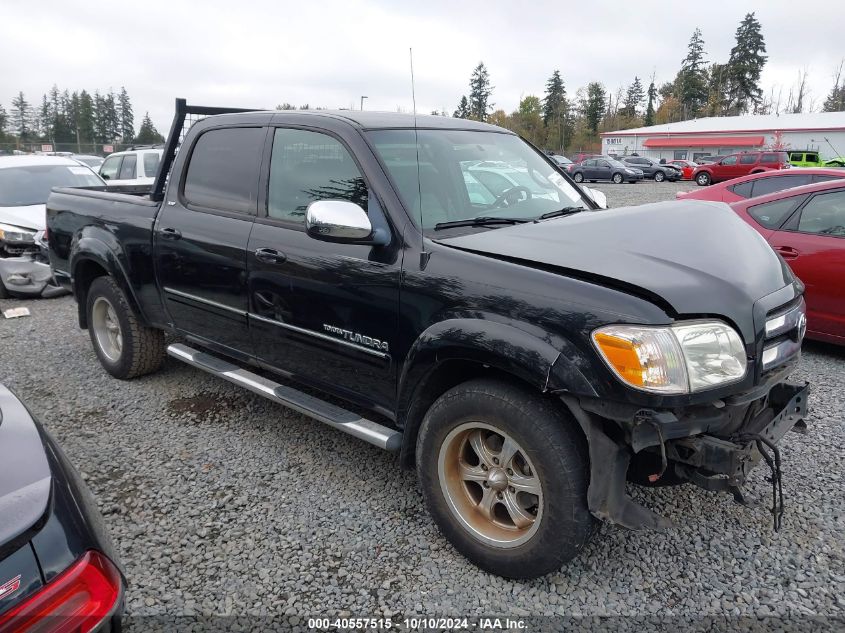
(560, 212)
(480, 221)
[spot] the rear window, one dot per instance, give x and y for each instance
(223, 169)
(127, 169)
(772, 214)
(22, 186)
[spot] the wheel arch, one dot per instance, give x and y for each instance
(90, 259)
(458, 350)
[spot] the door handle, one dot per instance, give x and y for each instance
(787, 252)
(170, 234)
(270, 256)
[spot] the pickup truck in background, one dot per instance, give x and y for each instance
(527, 352)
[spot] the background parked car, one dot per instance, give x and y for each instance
(563, 161)
(652, 169)
(687, 168)
(736, 165)
(594, 169)
(806, 225)
(812, 158)
(91, 161)
(581, 157)
(58, 569)
(25, 183)
(132, 167)
(761, 184)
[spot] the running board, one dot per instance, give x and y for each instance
(325, 412)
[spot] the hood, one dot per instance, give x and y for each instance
(689, 257)
(33, 216)
(25, 476)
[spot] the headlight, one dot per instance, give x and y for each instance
(684, 358)
(16, 236)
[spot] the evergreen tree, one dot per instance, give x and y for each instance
(86, 119)
(22, 117)
(4, 122)
(556, 113)
(479, 93)
(286, 106)
(649, 110)
(633, 98)
(463, 109)
(692, 89)
(127, 118)
(148, 134)
(746, 65)
(718, 90)
(46, 116)
(594, 106)
(835, 101)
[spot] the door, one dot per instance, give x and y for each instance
(110, 169)
(324, 313)
(813, 244)
(601, 170)
(727, 168)
(201, 237)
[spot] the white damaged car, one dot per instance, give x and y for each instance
(25, 184)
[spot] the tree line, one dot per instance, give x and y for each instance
(75, 118)
(700, 88)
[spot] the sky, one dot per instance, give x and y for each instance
(256, 53)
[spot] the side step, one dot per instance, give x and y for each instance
(325, 412)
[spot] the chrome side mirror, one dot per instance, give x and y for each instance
(337, 221)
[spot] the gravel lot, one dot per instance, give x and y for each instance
(223, 503)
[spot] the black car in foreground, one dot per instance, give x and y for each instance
(524, 350)
(651, 168)
(57, 565)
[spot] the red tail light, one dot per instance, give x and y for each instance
(75, 601)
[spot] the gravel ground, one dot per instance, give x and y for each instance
(221, 502)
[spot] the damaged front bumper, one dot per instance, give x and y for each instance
(715, 451)
(29, 275)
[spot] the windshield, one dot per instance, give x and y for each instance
(31, 184)
(465, 174)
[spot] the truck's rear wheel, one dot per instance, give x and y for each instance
(504, 474)
(125, 347)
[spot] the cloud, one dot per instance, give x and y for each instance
(261, 53)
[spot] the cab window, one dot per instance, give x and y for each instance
(223, 169)
(729, 161)
(308, 166)
(747, 159)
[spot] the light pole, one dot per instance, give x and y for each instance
(362, 100)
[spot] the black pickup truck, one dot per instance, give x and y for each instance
(463, 300)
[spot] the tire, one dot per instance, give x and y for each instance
(703, 179)
(550, 456)
(659, 176)
(617, 179)
(578, 177)
(126, 348)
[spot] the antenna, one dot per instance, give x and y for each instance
(424, 256)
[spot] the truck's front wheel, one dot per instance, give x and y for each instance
(125, 347)
(504, 474)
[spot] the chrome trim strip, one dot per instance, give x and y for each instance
(784, 322)
(320, 335)
(208, 302)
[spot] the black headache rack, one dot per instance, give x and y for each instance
(189, 114)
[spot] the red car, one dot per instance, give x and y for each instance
(687, 168)
(736, 165)
(806, 225)
(761, 184)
